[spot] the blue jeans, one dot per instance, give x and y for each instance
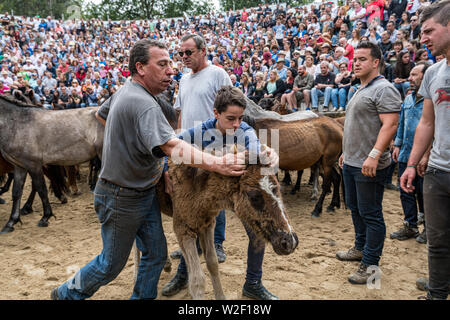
(411, 200)
(364, 197)
(316, 93)
(351, 92)
(342, 94)
(125, 215)
(255, 253)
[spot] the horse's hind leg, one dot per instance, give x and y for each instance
(72, 176)
(196, 276)
(20, 176)
(325, 190)
(28, 206)
(41, 188)
(335, 200)
(298, 182)
(287, 178)
(207, 243)
(7, 185)
(315, 178)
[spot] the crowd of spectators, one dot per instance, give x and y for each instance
(268, 51)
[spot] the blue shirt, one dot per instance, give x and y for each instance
(409, 119)
(207, 136)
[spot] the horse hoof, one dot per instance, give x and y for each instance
(43, 223)
(330, 209)
(75, 194)
(2, 201)
(315, 214)
(26, 211)
(63, 199)
(293, 191)
(7, 229)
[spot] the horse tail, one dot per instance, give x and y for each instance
(57, 177)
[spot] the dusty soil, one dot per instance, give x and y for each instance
(34, 260)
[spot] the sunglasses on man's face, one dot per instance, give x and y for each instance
(187, 52)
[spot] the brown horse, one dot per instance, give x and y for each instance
(304, 143)
(197, 198)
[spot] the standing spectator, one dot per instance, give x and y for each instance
(371, 122)
(397, 7)
(433, 129)
(409, 118)
(323, 86)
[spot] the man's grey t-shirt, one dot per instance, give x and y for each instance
(362, 121)
(197, 94)
(135, 126)
(436, 86)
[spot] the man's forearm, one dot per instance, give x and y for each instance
(387, 132)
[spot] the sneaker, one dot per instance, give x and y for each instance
(256, 290)
(352, 254)
(360, 276)
(54, 294)
(405, 233)
(422, 237)
(420, 218)
(220, 252)
(325, 109)
(341, 109)
(178, 283)
(391, 186)
(308, 108)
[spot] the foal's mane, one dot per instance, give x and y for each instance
(19, 103)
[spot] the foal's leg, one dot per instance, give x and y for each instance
(335, 200)
(315, 173)
(196, 276)
(41, 188)
(207, 243)
(297, 183)
(19, 181)
(326, 186)
(28, 206)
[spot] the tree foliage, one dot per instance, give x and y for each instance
(41, 8)
(146, 9)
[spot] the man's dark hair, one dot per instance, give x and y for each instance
(140, 53)
(425, 65)
(199, 41)
(227, 96)
(375, 52)
(439, 11)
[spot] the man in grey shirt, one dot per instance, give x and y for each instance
(370, 124)
(137, 136)
(434, 123)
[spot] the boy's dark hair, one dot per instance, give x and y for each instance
(229, 95)
(439, 11)
(375, 52)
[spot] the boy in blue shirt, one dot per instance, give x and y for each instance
(227, 128)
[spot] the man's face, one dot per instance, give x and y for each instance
(414, 21)
(197, 57)
(323, 69)
(390, 27)
(230, 119)
(364, 63)
(157, 73)
(337, 54)
(415, 77)
(435, 36)
(301, 70)
(385, 36)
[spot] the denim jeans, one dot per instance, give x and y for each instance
(411, 200)
(316, 93)
(351, 92)
(125, 215)
(436, 194)
(255, 253)
(342, 94)
(364, 197)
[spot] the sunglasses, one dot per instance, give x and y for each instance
(187, 52)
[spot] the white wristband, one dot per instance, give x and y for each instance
(374, 153)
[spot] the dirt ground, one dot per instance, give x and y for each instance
(34, 260)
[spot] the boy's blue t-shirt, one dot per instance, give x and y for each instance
(207, 137)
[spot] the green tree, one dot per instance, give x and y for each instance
(42, 8)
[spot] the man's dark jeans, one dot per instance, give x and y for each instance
(364, 197)
(436, 194)
(411, 200)
(125, 215)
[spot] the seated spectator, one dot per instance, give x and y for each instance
(234, 81)
(302, 85)
(274, 87)
(391, 57)
(356, 38)
(4, 89)
(323, 86)
(401, 71)
(90, 98)
(47, 99)
(343, 82)
(281, 69)
(246, 86)
(338, 59)
(259, 85)
(309, 65)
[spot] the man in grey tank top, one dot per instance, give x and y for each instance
(434, 128)
(137, 136)
(370, 124)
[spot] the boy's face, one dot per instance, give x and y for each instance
(230, 119)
